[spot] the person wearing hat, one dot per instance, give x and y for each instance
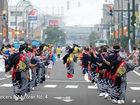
(21, 64)
(118, 83)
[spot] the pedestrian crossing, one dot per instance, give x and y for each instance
(6, 85)
(50, 86)
(53, 86)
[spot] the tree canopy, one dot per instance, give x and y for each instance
(93, 36)
(55, 35)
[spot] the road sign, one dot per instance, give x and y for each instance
(32, 18)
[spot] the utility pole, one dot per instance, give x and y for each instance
(128, 19)
(118, 20)
(68, 5)
(134, 33)
(122, 16)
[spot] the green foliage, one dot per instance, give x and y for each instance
(124, 41)
(112, 41)
(93, 36)
(54, 35)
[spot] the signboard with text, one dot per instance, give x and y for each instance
(32, 18)
(53, 23)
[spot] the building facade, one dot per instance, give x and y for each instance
(3, 6)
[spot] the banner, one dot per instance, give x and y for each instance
(38, 33)
(4, 32)
(21, 34)
(130, 47)
(13, 34)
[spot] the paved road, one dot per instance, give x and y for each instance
(58, 90)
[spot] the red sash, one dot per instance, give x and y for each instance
(21, 58)
(29, 53)
(104, 73)
(114, 76)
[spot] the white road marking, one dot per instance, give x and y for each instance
(64, 81)
(50, 86)
(59, 98)
(92, 87)
(133, 83)
(6, 85)
(136, 73)
(72, 86)
(5, 78)
(135, 88)
(67, 99)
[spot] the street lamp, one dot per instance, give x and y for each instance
(20, 3)
(25, 9)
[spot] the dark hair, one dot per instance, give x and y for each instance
(104, 49)
(116, 48)
(29, 49)
(70, 51)
(41, 46)
(9, 46)
(87, 49)
(22, 47)
(38, 52)
(134, 48)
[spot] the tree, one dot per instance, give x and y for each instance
(124, 41)
(93, 36)
(54, 35)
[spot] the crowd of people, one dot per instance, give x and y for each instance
(106, 67)
(30, 66)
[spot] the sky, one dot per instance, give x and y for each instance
(89, 13)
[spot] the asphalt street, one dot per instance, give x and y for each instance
(58, 90)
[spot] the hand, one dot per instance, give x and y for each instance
(7, 66)
(99, 64)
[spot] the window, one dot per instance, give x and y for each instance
(13, 23)
(13, 13)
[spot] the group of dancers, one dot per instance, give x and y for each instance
(105, 67)
(30, 66)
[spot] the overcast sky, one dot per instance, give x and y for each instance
(89, 13)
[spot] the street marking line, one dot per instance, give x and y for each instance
(6, 85)
(135, 88)
(50, 86)
(59, 98)
(68, 81)
(72, 86)
(5, 78)
(133, 83)
(65, 81)
(136, 73)
(92, 87)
